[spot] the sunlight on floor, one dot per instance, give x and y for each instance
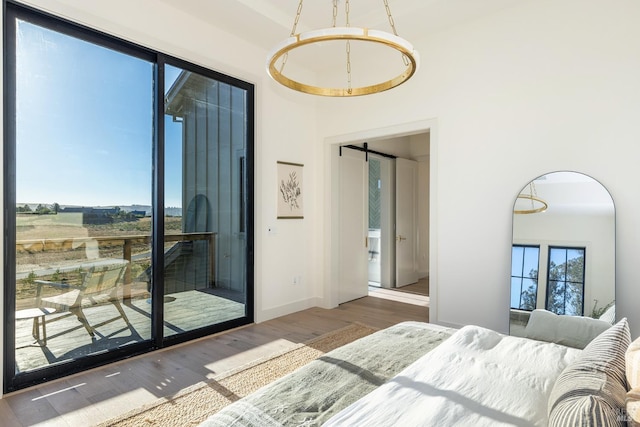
(394, 295)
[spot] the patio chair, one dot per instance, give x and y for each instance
(99, 286)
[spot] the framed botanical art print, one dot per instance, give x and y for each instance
(290, 191)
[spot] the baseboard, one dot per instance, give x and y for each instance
(449, 324)
(283, 310)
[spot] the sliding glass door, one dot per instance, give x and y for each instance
(205, 197)
(128, 190)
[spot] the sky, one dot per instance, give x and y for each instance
(84, 124)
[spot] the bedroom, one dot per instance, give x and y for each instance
(519, 91)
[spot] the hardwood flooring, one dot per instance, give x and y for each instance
(421, 288)
(95, 396)
(395, 295)
(417, 293)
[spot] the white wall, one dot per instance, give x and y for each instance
(546, 85)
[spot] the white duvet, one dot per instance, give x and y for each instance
(477, 377)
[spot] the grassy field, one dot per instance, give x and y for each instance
(59, 262)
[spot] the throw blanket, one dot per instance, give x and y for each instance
(478, 377)
(315, 392)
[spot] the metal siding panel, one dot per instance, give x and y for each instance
(238, 142)
(224, 185)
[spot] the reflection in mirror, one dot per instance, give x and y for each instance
(563, 253)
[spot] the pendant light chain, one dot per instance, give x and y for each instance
(405, 60)
(348, 45)
(296, 19)
(293, 33)
(346, 8)
(533, 192)
(349, 88)
(390, 17)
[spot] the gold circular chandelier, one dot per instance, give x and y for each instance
(537, 205)
(280, 54)
(541, 205)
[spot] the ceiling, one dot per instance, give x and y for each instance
(569, 193)
(266, 22)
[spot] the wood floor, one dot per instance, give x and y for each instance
(421, 288)
(417, 293)
(92, 397)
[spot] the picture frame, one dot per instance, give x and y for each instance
(290, 190)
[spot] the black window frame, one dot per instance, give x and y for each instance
(13, 11)
(522, 277)
(584, 267)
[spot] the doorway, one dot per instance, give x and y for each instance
(395, 229)
(428, 213)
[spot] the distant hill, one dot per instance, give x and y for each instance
(170, 211)
(173, 211)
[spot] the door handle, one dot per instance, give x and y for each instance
(400, 238)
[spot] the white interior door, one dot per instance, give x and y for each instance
(353, 223)
(406, 222)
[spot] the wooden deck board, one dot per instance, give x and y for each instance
(67, 338)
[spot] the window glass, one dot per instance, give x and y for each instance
(565, 291)
(84, 125)
(205, 241)
(524, 276)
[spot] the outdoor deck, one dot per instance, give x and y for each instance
(67, 338)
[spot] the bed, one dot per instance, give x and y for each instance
(417, 374)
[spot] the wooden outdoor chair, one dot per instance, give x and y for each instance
(99, 286)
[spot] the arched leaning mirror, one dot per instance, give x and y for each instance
(563, 252)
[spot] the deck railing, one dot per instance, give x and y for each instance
(70, 243)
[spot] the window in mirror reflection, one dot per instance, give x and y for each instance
(524, 276)
(565, 292)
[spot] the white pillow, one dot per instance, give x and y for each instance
(609, 315)
(633, 408)
(632, 364)
(572, 331)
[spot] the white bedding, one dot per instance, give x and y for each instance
(477, 377)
